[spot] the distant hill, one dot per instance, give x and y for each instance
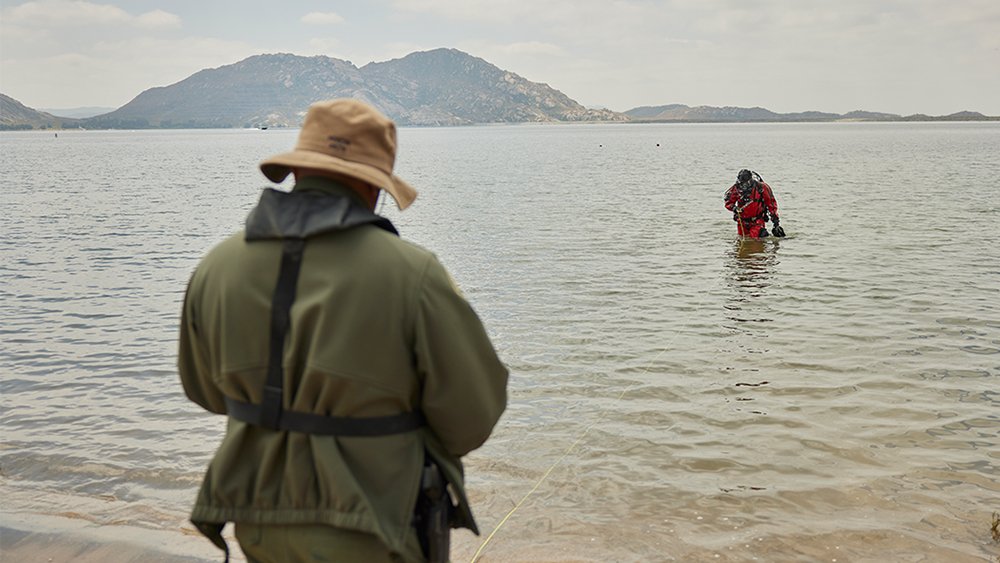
(449, 87)
(439, 87)
(264, 90)
(77, 113)
(680, 112)
(728, 114)
(959, 116)
(14, 115)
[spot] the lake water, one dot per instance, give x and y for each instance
(675, 394)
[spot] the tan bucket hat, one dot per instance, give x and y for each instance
(347, 137)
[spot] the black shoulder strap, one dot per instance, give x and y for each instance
(281, 307)
(270, 413)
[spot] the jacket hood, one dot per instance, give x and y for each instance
(306, 213)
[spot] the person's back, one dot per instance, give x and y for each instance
(378, 340)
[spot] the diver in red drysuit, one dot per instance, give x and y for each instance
(751, 201)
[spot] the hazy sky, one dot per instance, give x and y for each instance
(897, 56)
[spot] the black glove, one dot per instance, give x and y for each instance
(736, 216)
(776, 229)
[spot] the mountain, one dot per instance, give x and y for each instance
(272, 90)
(680, 112)
(859, 115)
(15, 115)
(449, 87)
(439, 87)
(728, 114)
(960, 116)
(77, 113)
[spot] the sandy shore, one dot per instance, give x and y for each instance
(49, 539)
(38, 525)
(47, 527)
(32, 546)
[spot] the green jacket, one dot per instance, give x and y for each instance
(377, 328)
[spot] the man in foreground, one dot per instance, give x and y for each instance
(353, 372)
(752, 202)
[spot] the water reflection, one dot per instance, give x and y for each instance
(750, 268)
(751, 264)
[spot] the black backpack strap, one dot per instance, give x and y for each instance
(324, 425)
(270, 413)
(281, 307)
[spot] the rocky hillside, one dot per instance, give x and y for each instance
(440, 87)
(261, 90)
(679, 112)
(449, 87)
(15, 115)
(728, 114)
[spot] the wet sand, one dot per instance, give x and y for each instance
(38, 525)
(71, 537)
(31, 546)
(47, 539)
(35, 526)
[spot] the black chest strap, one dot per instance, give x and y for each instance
(270, 413)
(309, 423)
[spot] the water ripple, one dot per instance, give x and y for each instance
(701, 396)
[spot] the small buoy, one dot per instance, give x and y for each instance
(657, 144)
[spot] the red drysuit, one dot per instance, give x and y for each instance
(752, 202)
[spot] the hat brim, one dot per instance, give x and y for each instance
(279, 166)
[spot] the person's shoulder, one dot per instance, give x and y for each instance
(226, 246)
(416, 264)
(415, 252)
(397, 248)
(222, 250)
(218, 259)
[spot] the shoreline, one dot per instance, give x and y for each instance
(45, 526)
(17, 544)
(35, 526)
(20, 127)
(57, 540)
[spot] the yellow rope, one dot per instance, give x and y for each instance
(739, 228)
(529, 493)
(548, 471)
